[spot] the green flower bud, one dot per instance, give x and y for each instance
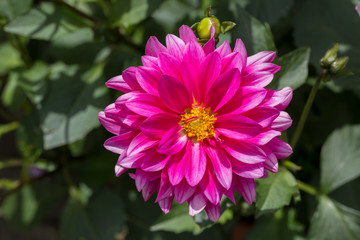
(338, 65)
(330, 56)
(204, 27)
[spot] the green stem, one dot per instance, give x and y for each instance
(307, 188)
(6, 128)
(10, 163)
(291, 166)
(306, 110)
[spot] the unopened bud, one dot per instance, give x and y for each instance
(338, 65)
(330, 57)
(204, 27)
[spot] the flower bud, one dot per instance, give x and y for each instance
(204, 27)
(338, 65)
(330, 57)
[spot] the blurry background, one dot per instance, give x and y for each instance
(58, 182)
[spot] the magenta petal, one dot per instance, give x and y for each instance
(175, 168)
(118, 83)
(210, 188)
(209, 47)
(145, 104)
(187, 34)
(261, 57)
(210, 71)
(183, 192)
(117, 144)
(190, 78)
(174, 94)
(221, 165)
(213, 212)
(140, 143)
(150, 62)
(110, 124)
(148, 79)
(165, 189)
(148, 190)
(282, 122)
(264, 137)
(157, 125)
(154, 161)
(154, 47)
(197, 203)
(267, 67)
(119, 170)
(129, 76)
(245, 152)
(258, 79)
(263, 115)
(133, 161)
(143, 178)
(130, 118)
(247, 170)
(195, 163)
(231, 61)
(224, 49)
(246, 188)
(175, 46)
(173, 141)
(169, 65)
(223, 89)
(271, 162)
(240, 48)
(279, 148)
(237, 127)
(166, 204)
(279, 98)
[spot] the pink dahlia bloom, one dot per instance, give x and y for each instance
(196, 122)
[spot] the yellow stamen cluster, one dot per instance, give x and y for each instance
(198, 122)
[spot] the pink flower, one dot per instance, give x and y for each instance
(196, 122)
(357, 8)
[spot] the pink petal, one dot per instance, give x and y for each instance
(282, 122)
(213, 212)
(165, 189)
(154, 161)
(129, 76)
(195, 162)
(117, 144)
(240, 48)
(157, 125)
(174, 94)
(183, 192)
(245, 152)
(118, 83)
(190, 77)
(210, 188)
(197, 203)
(224, 49)
(279, 148)
(175, 46)
(261, 57)
(237, 127)
(112, 125)
(133, 161)
(148, 79)
(264, 137)
(246, 188)
(221, 165)
(209, 47)
(229, 193)
(148, 190)
(267, 67)
(223, 89)
(165, 204)
(231, 61)
(173, 141)
(263, 115)
(247, 170)
(130, 118)
(154, 47)
(146, 104)
(187, 34)
(143, 178)
(119, 170)
(279, 98)
(210, 71)
(175, 168)
(258, 79)
(169, 65)
(150, 62)
(271, 162)
(140, 143)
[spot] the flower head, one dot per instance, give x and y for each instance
(196, 123)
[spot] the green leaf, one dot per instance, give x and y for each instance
(294, 69)
(102, 219)
(340, 158)
(74, 98)
(14, 8)
(275, 191)
(333, 221)
(127, 13)
(46, 21)
(255, 35)
(10, 58)
(177, 220)
(269, 11)
(13, 96)
(335, 24)
(25, 208)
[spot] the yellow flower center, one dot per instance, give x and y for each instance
(198, 122)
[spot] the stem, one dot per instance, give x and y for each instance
(306, 110)
(6, 128)
(307, 188)
(291, 166)
(10, 163)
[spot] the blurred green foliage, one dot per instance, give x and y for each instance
(56, 56)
